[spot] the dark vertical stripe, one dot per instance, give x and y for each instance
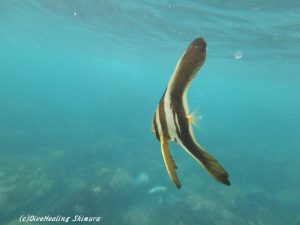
(162, 118)
(154, 123)
(176, 125)
(183, 133)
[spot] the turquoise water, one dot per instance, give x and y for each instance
(80, 82)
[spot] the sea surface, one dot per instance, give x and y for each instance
(80, 81)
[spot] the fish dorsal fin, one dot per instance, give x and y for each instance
(187, 67)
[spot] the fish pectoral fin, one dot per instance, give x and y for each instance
(169, 162)
(194, 119)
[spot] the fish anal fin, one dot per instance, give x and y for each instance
(209, 163)
(214, 168)
(169, 162)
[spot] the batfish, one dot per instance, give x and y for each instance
(172, 121)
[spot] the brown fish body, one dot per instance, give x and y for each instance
(171, 119)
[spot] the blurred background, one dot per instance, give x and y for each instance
(80, 82)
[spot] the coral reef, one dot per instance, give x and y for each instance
(122, 194)
(142, 179)
(21, 184)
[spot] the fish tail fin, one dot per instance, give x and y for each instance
(169, 162)
(211, 165)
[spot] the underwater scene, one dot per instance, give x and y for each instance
(81, 80)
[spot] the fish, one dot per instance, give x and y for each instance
(172, 121)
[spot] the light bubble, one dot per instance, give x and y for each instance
(238, 55)
(75, 13)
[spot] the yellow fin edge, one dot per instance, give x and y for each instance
(169, 162)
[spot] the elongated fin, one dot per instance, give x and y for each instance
(169, 162)
(187, 67)
(209, 163)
